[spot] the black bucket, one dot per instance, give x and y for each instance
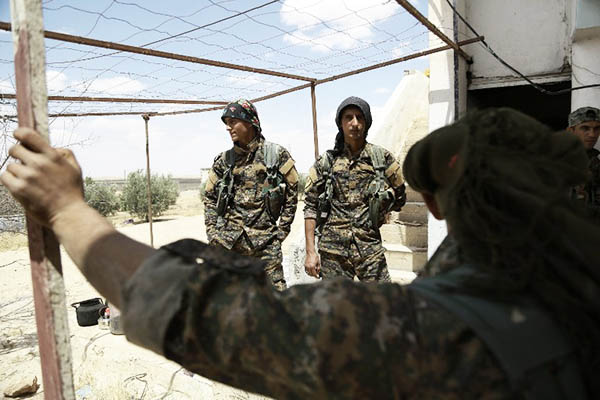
(88, 311)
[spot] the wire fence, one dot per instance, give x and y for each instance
(287, 36)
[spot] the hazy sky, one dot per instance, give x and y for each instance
(357, 33)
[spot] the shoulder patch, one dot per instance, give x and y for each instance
(211, 181)
(312, 174)
(292, 176)
(394, 174)
(286, 167)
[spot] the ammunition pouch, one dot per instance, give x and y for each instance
(380, 200)
(223, 199)
(379, 205)
(225, 185)
(323, 210)
(274, 200)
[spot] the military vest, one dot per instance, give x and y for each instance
(376, 189)
(537, 358)
(273, 191)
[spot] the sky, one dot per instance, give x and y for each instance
(303, 37)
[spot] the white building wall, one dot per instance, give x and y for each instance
(446, 94)
(543, 39)
(531, 35)
(586, 54)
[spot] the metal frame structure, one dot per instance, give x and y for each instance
(28, 37)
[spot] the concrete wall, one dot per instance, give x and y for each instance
(531, 35)
(447, 90)
(586, 54)
(405, 116)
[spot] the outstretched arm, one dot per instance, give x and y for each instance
(47, 182)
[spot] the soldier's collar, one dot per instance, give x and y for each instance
(362, 154)
(252, 146)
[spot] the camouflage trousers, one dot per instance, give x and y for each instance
(270, 253)
(369, 268)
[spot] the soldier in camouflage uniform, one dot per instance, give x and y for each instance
(585, 124)
(247, 224)
(349, 241)
(499, 179)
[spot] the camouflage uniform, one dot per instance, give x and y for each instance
(214, 313)
(246, 227)
(349, 244)
(589, 193)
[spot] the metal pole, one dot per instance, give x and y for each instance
(281, 93)
(146, 118)
(433, 29)
(156, 53)
(121, 100)
(313, 97)
(46, 270)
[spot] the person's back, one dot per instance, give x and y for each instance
(500, 180)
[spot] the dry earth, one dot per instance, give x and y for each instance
(106, 366)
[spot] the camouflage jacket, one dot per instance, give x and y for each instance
(589, 193)
(213, 312)
(247, 212)
(348, 222)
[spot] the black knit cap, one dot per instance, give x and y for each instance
(364, 108)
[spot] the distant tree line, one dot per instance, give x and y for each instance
(133, 198)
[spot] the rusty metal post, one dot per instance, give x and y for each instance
(433, 29)
(146, 118)
(46, 270)
(313, 97)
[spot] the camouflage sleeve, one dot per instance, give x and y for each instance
(312, 190)
(290, 176)
(210, 196)
(213, 312)
(393, 174)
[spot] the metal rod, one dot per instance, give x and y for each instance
(120, 100)
(313, 98)
(146, 118)
(46, 269)
(398, 60)
(433, 29)
(283, 92)
(156, 53)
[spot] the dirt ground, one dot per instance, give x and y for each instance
(105, 366)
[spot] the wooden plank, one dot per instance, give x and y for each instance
(44, 253)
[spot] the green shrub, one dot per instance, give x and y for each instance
(135, 197)
(301, 184)
(8, 204)
(101, 196)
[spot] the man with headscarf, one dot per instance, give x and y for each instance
(508, 308)
(252, 192)
(348, 192)
(585, 124)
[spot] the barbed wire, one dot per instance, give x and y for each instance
(337, 42)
